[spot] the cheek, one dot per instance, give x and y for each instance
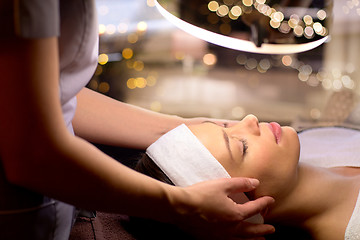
(256, 165)
(273, 169)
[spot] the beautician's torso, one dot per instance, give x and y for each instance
(78, 43)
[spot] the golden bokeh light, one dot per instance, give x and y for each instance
(127, 53)
(142, 26)
(103, 59)
(317, 27)
(151, 81)
(213, 6)
(270, 11)
(209, 59)
(104, 87)
(298, 31)
(303, 77)
(277, 16)
(130, 63)
(93, 84)
(140, 82)
(150, 3)
(138, 66)
(131, 83)
(236, 11)
(102, 29)
(222, 11)
(179, 55)
(247, 3)
(321, 14)
(274, 24)
(225, 28)
(308, 20)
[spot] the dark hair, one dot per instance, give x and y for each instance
(147, 166)
(147, 229)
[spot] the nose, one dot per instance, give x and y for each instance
(251, 123)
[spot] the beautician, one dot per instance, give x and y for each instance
(48, 54)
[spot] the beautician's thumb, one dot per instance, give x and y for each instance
(242, 184)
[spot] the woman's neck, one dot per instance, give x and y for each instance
(321, 200)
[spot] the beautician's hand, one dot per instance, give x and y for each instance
(215, 216)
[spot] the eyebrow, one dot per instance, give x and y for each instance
(226, 138)
(227, 143)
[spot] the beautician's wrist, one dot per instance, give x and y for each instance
(180, 205)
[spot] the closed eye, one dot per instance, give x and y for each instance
(245, 146)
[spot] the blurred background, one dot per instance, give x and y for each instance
(144, 60)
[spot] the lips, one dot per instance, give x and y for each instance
(276, 130)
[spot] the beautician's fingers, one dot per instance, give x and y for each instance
(253, 238)
(254, 207)
(237, 185)
(246, 230)
(213, 215)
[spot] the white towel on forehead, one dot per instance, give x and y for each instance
(186, 161)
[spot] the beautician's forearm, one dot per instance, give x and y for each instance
(74, 171)
(101, 119)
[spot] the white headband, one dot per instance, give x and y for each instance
(186, 161)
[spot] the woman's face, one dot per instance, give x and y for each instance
(264, 151)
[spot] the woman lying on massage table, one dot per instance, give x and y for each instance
(318, 194)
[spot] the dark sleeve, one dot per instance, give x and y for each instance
(30, 18)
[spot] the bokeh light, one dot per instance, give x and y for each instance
(209, 59)
(127, 53)
(287, 60)
(213, 6)
(103, 59)
(104, 87)
(156, 106)
(142, 26)
(238, 112)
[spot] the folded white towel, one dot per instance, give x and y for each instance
(353, 228)
(334, 147)
(330, 147)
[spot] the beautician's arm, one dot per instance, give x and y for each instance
(38, 152)
(100, 119)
